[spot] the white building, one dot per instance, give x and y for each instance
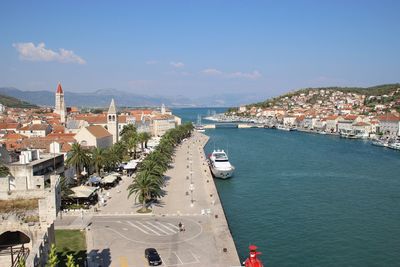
(94, 136)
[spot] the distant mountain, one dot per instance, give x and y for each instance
(15, 103)
(102, 97)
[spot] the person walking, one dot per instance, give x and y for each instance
(180, 226)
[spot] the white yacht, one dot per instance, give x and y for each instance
(283, 127)
(220, 165)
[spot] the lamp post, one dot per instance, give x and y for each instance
(191, 188)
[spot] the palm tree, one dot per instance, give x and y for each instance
(78, 157)
(127, 132)
(144, 187)
(4, 170)
(144, 137)
(99, 158)
(65, 188)
(132, 144)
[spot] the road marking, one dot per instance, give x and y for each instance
(130, 223)
(178, 257)
(155, 226)
(176, 227)
(167, 227)
(148, 228)
(123, 261)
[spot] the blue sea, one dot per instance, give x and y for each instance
(307, 199)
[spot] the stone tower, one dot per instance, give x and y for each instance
(60, 103)
(112, 121)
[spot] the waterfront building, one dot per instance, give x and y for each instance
(163, 123)
(60, 108)
(389, 125)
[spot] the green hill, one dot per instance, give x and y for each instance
(12, 102)
(379, 90)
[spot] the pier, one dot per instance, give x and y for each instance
(239, 125)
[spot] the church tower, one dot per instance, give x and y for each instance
(112, 121)
(60, 104)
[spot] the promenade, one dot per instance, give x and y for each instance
(118, 236)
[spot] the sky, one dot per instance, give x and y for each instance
(198, 48)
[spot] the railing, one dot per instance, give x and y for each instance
(20, 252)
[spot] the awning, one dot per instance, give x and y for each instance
(109, 179)
(83, 191)
(94, 180)
(131, 165)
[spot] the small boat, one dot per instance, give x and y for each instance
(198, 127)
(283, 127)
(380, 143)
(395, 145)
(220, 165)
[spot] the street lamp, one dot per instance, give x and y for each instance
(191, 188)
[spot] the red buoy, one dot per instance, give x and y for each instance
(252, 260)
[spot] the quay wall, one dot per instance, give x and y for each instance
(221, 229)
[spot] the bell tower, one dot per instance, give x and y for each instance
(112, 121)
(60, 103)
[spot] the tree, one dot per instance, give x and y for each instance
(132, 144)
(127, 132)
(4, 170)
(99, 158)
(53, 259)
(78, 157)
(65, 188)
(144, 137)
(144, 186)
(21, 262)
(70, 261)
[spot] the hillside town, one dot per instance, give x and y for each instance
(59, 159)
(348, 114)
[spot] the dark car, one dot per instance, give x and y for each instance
(152, 256)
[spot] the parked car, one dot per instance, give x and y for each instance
(152, 256)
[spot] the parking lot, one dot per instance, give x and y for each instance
(126, 238)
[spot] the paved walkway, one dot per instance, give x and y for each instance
(117, 236)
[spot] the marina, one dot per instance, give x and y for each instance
(291, 192)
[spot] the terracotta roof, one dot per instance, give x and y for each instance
(35, 127)
(59, 89)
(98, 131)
(14, 136)
(58, 129)
(332, 117)
(389, 117)
(350, 117)
(67, 137)
(9, 125)
(93, 119)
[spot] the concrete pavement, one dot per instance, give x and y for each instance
(117, 236)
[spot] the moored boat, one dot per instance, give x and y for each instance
(220, 165)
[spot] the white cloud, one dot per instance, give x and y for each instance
(243, 75)
(177, 64)
(246, 75)
(151, 62)
(31, 52)
(211, 72)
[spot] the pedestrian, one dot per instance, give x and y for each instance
(183, 228)
(180, 226)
